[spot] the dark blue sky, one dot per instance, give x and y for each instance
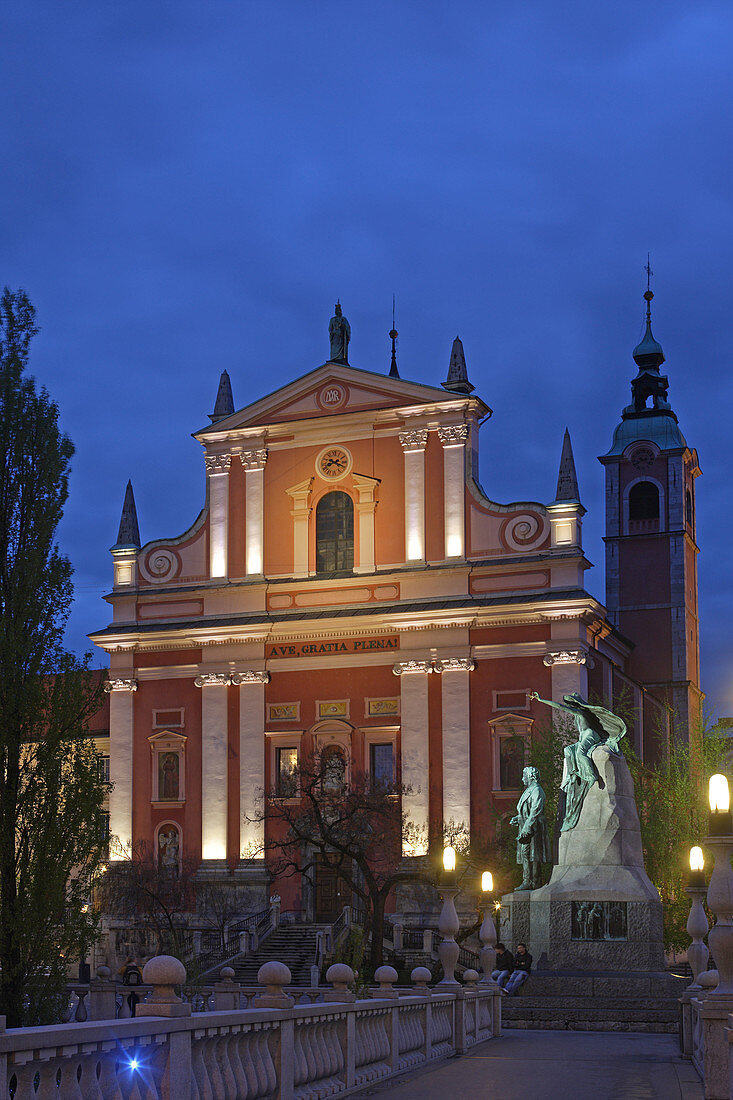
(189, 186)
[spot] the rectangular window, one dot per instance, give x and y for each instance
(104, 768)
(168, 719)
(511, 763)
(381, 765)
(511, 700)
(287, 766)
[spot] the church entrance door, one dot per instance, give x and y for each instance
(332, 893)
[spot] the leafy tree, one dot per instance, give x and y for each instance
(356, 828)
(51, 793)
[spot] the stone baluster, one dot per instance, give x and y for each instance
(102, 995)
(470, 977)
(386, 976)
(274, 976)
(164, 973)
(697, 927)
(719, 1002)
(226, 991)
(420, 977)
(340, 976)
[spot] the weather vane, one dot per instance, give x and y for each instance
(649, 272)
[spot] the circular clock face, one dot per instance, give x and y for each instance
(333, 463)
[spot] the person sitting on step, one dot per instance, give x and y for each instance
(522, 969)
(504, 965)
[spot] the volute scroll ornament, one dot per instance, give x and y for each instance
(213, 679)
(120, 685)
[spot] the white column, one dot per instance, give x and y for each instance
(121, 727)
(454, 439)
(217, 468)
(254, 466)
(569, 672)
(413, 445)
(365, 507)
(456, 714)
(214, 757)
(251, 758)
(301, 510)
(415, 753)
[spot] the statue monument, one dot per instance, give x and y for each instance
(599, 911)
(339, 331)
(533, 839)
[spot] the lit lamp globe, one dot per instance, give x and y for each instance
(487, 882)
(449, 859)
(721, 823)
(697, 867)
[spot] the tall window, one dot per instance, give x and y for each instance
(643, 501)
(335, 533)
(381, 765)
(511, 762)
(688, 510)
(287, 767)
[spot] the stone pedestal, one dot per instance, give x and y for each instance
(599, 910)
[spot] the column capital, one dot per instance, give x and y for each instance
(218, 464)
(455, 664)
(120, 685)
(254, 460)
(454, 435)
(403, 668)
(213, 679)
(568, 657)
(250, 676)
(414, 440)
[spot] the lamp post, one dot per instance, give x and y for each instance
(448, 923)
(719, 1002)
(697, 952)
(487, 932)
(697, 922)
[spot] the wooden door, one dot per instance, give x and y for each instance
(332, 894)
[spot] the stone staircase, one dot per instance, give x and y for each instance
(294, 945)
(575, 1001)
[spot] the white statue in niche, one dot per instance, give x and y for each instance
(168, 848)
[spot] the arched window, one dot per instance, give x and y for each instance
(643, 501)
(335, 533)
(333, 770)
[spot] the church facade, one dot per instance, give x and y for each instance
(349, 588)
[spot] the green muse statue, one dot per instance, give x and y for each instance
(596, 726)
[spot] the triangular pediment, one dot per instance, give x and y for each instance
(330, 390)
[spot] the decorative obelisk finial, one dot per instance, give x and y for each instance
(224, 404)
(457, 380)
(339, 331)
(128, 535)
(393, 372)
(567, 479)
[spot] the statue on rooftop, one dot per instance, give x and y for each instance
(596, 726)
(339, 331)
(533, 839)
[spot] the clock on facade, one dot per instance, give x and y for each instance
(333, 463)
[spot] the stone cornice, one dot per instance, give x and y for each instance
(120, 685)
(254, 460)
(218, 464)
(414, 440)
(454, 435)
(403, 668)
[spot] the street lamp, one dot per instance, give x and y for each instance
(487, 932)
(697, 922)
(448, 923)
(720, 890)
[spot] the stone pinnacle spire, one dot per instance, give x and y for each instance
(128, 535)
(224, 405)
(567, 479)
(457, 380)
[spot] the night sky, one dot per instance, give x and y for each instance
(188, 187)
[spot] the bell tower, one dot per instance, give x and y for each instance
(651, 548)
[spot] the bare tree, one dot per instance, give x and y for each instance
(356, 827)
